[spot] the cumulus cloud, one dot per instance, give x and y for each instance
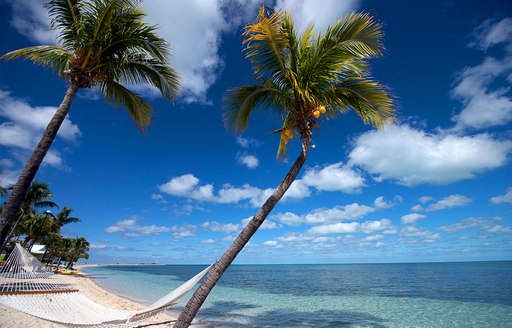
(487, 225)
(226, 228)
(383, 226)
(447, 202)
(24, 125)
(183, 231)
(322, 14)
(419, 234)
(130, 228)
(323, 216)
(334, 177)
(483, 104)
(30, 19)
(411, 157)
(506, 198)
(231, 228)
(189, 186)
(250, 161)
(411, 218)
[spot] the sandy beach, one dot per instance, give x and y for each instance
(11, 318)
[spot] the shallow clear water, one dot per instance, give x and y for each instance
(471, 294)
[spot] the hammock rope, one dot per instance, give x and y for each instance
(29, 286)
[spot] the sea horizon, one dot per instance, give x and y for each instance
(334, 263)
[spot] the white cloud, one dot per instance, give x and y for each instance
(449, 202)
(297, 190)
(289, 218)
(25, 125)
(226, 228)
(413, 157)
(208, 241)
(188, 186)
(194, 29)
(156, 196)
(31, 121)
(30, 19)
(384, 226)
(484, 105)
(250, 161)
(247, 142)
(334, 177)
(98, 247)
(323, 216)
(506, 198)
(421, 234)
(272, 243)
(491, 33)
(411, 218)
(184, 231)
(322, 14)
(335, 228)
(487, 225)
(425, 199)
(131, 228)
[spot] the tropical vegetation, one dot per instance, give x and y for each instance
(305, 79)
(103, 44)
(35, 223)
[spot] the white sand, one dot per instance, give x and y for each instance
(10, 318)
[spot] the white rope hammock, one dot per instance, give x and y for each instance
(28, 286)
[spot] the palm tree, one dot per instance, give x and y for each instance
(103, 43)
(300, 78)
(37, 197)
(79, 249)
(63, 217)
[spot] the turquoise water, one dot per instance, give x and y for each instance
(471, 294)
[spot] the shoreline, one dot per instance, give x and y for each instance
(97, 293)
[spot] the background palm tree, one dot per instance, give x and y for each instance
(103, 43)
(79, 249)
(64, 218)
(304, 79)
(37, 197)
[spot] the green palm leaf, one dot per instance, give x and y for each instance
(119, 96)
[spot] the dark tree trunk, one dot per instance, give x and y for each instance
(21, 187)
(216, 272)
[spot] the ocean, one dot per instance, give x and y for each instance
(464, 294)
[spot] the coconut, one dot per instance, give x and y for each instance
(316, 113)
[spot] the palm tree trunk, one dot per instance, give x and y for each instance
(21, 187)
(216, 272)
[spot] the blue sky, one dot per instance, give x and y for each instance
(434, 187)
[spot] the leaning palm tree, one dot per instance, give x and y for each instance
(104, 44)
(304, 79)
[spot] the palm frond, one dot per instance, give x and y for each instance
(357, 34)
(137, 69)
(240, 102)
(54, 57)
(369, 99)
(119, 96)
(266, 43)
(66, 17)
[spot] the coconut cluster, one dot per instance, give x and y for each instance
(286, 135)
(318, 111)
